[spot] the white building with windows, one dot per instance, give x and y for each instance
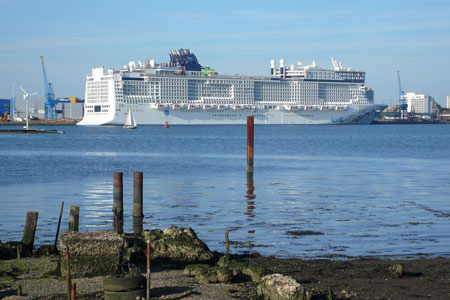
(419, 103)
(448, 101)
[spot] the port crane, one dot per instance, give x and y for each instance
(401, 100)
(50, 100)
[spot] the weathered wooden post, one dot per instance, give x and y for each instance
(74, 291)
(59, 224)
(74, 218)
(30, 230)
(250, 138)
(138, 202)
(68, 277)
(227, 243)
(118, 202)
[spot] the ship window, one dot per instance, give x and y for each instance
(97, 108)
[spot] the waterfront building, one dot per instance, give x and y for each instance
(448, 101)
(5, 108)
(419, 103)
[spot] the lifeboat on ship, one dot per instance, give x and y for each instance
(236, 107)
(291, 107)
(222, 107)
(160, 106)
(208, 107)
(177, 106)
(192, 106)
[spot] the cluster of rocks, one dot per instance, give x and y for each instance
(173, 245)
(101, 253)
(96, 253)
(225, 271)
(272, 286)
(14, 249)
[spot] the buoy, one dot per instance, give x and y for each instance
(166, 124)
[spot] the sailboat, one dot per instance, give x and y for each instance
(130, 123)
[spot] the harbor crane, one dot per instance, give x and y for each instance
(401, 100)
(50, 100)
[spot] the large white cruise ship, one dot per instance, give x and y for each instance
(184, 92)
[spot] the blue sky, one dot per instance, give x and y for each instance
(231, 36)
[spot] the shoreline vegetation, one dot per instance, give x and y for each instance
(183, 267)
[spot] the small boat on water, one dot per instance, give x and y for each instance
(166, 124)
(130, 122)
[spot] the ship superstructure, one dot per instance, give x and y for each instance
(184, 92)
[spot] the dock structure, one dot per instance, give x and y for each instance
(30, 131)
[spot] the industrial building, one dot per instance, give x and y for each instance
(420, 103)
(5, 108)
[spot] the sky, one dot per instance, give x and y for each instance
(233, 37)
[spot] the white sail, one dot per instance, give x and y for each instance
(130, 122)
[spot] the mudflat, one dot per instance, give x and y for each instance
(367, 278)
(364, 278)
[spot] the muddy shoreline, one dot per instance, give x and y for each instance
(340, 277)
(366, 278)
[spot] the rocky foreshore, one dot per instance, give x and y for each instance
(183, 267)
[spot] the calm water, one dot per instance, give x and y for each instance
(369, 190)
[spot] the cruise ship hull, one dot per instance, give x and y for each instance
(144, 115)
(184, 92)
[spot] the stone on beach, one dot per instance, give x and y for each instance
(280, 287)
(172, 245)
(92, 253)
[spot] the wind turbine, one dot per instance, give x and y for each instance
(25, 97)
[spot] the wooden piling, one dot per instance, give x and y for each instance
(59, 225)
(74, 291)
(250, 187)
(138, 202)
(250, 139)
(227, 243)
(74, 218)
(18, 251)
(118, 202)
(68, 277)
(30, 229)
(116, 223)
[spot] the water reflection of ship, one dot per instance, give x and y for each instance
(250, 209)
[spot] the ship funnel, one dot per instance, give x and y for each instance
(282, 68)
(272, 67)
